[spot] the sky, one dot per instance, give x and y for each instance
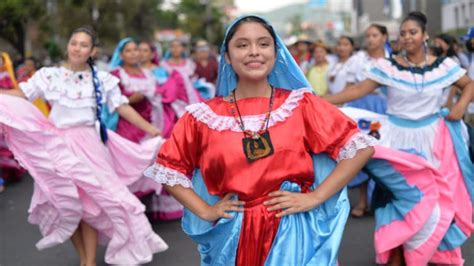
(247, 6)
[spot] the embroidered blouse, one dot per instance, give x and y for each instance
(71, 94)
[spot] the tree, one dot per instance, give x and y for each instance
(112, 20)
(14, 18)
(202, 19)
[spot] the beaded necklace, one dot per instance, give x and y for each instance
(410, 67)
(256, 144)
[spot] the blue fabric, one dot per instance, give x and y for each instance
(441, 79)
(360, 178)
(110, 120)
(413, 123)
(405, 196)
(203, 89)
(462, 154)
(161, 75)
(372, 102)
(286, 73)
(310, 238)
(116, 61)
(98, 100)
(217, 243)
(453, 239)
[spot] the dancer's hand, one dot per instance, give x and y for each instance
(290, 202)
(222, 207)
(456, 113)
(154, 132)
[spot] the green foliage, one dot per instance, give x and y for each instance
(112, 19)
(201, 20)
(14, 16)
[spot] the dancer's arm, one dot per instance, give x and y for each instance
(198, 206)
(467, 87)
(352, 92)
(14, 92)
(127, 112)
(136, 98)
(345, 170)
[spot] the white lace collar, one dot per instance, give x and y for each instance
(203, 113)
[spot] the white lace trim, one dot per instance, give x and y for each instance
(64, 87)
(167, 176)
(357, 142)
(203, 113)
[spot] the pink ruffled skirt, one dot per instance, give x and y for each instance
(79, 178)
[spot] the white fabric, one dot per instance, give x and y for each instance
(340, 73)
(132, 84)
(203, 113)
(357, 142)
(147, 87)
(71, 94)
(4, 74)
(167, 176)
(408, 103)
(420, 139)
(360, 62)
(428, 228)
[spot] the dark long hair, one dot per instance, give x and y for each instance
(95, 81)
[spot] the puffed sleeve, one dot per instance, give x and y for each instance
(329, 130)
(113, 95)
(37, 84)
(179, 155)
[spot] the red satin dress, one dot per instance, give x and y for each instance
(207, 137)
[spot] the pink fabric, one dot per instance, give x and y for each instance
(5, 81)
(143, 108)
(417, 173)
(447, 188)
(77, 177)
(171, 91)
(10, 167)
(459, 196)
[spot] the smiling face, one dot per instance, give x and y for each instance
(129, 54)
(79, 48)
(251, 52)
(411, 36)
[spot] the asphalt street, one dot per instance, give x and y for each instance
(18, 238)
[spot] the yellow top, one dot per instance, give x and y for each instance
(317, 77)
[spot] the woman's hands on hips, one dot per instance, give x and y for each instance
(291, 202)
(222, 208)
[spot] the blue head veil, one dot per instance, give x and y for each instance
(116, 60)
(286, 73)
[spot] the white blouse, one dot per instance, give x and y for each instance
(360, 63)
(418, 92)
(338, 75)
(72, 95)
